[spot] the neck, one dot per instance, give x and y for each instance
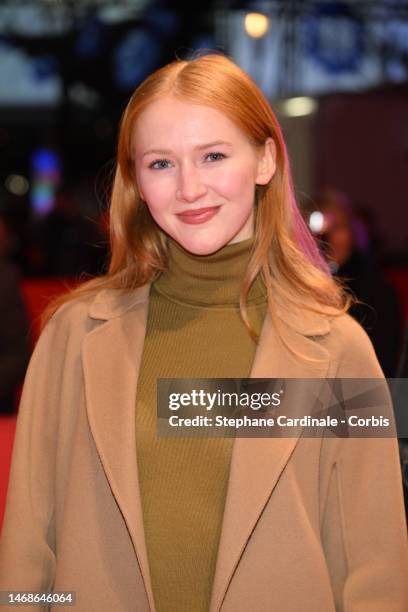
(209, 280)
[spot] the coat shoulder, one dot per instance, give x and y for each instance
(80, 314)
(74, 310)
(70, 320)
(352, 349)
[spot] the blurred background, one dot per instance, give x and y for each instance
(336, 74)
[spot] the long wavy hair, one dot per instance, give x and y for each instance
(284, 253)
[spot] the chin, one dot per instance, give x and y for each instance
(201, 246)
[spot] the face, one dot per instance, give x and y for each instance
(190, 158)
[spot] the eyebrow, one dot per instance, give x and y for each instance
(207, 145)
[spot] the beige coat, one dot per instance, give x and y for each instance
(311, 525)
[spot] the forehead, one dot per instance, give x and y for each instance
(169, 119)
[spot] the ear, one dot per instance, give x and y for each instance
(267, 162)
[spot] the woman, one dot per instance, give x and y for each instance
(212, 275)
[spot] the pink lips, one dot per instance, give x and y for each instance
(199, 215)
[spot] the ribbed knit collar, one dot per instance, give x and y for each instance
(209, 280)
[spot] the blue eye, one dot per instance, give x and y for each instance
(154, 165)
(158, 161)
(220, 156)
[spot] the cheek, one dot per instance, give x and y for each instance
(155, 191)
(236, 183)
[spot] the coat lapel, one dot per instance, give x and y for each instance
(257, 463)
(111, 356)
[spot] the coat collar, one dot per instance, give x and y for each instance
(111, 356)
(110, 303)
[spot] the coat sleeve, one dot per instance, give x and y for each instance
(27, 545)
(364, 529)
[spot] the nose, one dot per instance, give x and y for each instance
(190, 186)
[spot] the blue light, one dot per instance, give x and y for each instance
(45, 161)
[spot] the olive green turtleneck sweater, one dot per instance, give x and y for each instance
(194, 330)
